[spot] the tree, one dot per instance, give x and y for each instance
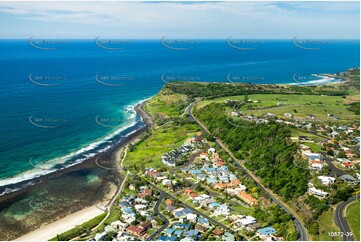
(246, 98)
(314, 228)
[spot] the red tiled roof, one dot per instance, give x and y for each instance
(188, 191)
(217, 231)
(222, 185)
(135, 230)
(142, 195)
(235, 182)
(247, 197)
(148, 191)
(194, 195)
(168, 202)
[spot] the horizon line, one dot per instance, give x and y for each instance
(69, 38)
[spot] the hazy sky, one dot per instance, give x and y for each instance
(153, 20)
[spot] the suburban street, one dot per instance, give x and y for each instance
(213, 221)
(192, 184)
(340, 218)
(334, 170)
(300, 228)
(165, 220)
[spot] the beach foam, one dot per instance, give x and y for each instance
(86, 152)
(319, 80)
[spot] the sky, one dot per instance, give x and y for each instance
(188, 20)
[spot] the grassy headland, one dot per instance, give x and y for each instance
(266, 149)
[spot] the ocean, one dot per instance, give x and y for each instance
(65, 100)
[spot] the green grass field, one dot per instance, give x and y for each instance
(326, 224)
(166, 105)
(296, 132)
(239, 209)
(164, 138)
(148, 153)
(298, 105)
(314, 146)
(353, 218)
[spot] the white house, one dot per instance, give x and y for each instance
(316, 166)
(100, 236)
(192, 217)
(334, 134)
(317, 192)
(288, 115)
(117, 224)
(223, 209)
(246, 221)
(211, 150)
(166, 182)
(326, 180)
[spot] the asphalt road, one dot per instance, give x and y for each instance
(215, 222)
(341, 221)
(334, 170)
(165, 220)
(192, 184)
(301, 230)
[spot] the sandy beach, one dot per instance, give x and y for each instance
(46, 232)
(49, 229)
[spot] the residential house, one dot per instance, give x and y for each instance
(228, 237)
(200, 228)
(182, 226)
(166, 182)
(169, 232)
(204, 156)
(245, 221)
(203, 221)
(191, 217)
(100, 236)
(247, 198)
(193, 233)
(178, 233)
(134, 230)
(266, 232)
(350, 179)
(317, 192)
(217, 232)
(166, 238)
(169, 202)
(326, 180)
(222, 186)
(222, 210)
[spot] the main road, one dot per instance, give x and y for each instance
(303, 236)
(341, 220)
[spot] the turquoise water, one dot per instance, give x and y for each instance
(59, 107)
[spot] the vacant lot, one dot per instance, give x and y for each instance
(353, 219)
(300, 106)
(169, 106)
(164, 139)
(327, 224)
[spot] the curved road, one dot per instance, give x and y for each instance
(300, 228)
(341, 220)
(334, 170)
(165, 220)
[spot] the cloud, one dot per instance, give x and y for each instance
(198, 19)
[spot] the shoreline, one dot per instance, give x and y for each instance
(51, 228)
